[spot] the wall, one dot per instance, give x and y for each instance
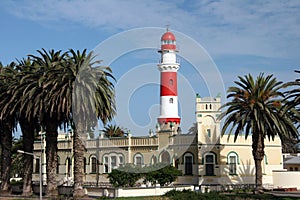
(286, 179)
(151, 191)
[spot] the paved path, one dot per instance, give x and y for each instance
(285, 194)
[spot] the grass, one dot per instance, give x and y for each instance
(177, 195)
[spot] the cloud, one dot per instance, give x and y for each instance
(265, 28)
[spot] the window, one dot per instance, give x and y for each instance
(84, 165)
(121, 161)
(113, 162)
(165, 157)
(37, 165)
(105, 164)
(209, 165)
(176, 163)
(138, 159)
(171, 100)
(296, 168)
(69, 166)
(153, 160)
(291, 169)
(171, 82)
(210, 106)
(232, 164)
(57, 166)
(208, 132)
(188, 164)
(94, 165)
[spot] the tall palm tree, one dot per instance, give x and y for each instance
(84, 94)
(28, 122)
(7, 123)
(255, 109)
(92, 99)
(38, 95)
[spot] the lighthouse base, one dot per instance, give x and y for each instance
(169, 124)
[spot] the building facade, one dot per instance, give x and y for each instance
(204, 157)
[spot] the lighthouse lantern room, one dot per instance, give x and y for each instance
(168, 66)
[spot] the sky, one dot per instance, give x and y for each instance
(217, 42)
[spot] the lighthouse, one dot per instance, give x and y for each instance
(168, 66)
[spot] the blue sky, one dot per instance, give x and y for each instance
(217, 41)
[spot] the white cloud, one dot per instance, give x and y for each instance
(264, 28)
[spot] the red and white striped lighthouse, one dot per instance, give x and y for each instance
(168, 66)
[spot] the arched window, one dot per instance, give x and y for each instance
(176, 163)
(165, 157)
(138, 159)
(209, 162)
(188, 164)
(105, 163)
(209, 106)
(206, 106)
(37, 165)
(232, 161)
(232, 164)
(57, 166)
(94, 165)
(171, 100)
(84, 165)
(113, 160)
(121, 160)
(153, 160)
(69, 166)
(208, 132)
(171, 82)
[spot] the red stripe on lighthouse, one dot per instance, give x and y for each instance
(168, 84)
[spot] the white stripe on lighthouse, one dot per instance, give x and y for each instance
(168, 107)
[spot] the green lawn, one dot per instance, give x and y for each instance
(210, 196)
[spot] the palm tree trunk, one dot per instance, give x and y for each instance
(78, 163)
(51, 157)
(258, 155)
(6, 144)
(28, 140)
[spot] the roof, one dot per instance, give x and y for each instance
(168, 36)
(293, 160)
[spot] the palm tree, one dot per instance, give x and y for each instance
(292, 106)
(84, 94)
(38, 95)
(27, 120)
(255, 109)
(293, 94)
(7, 123)
(113, 131)
(94, 90)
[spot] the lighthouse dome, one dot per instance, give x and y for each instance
(168, 36)
(168, 41)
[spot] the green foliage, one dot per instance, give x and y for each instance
(161, 173)
(114, 131)
(127, 175)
